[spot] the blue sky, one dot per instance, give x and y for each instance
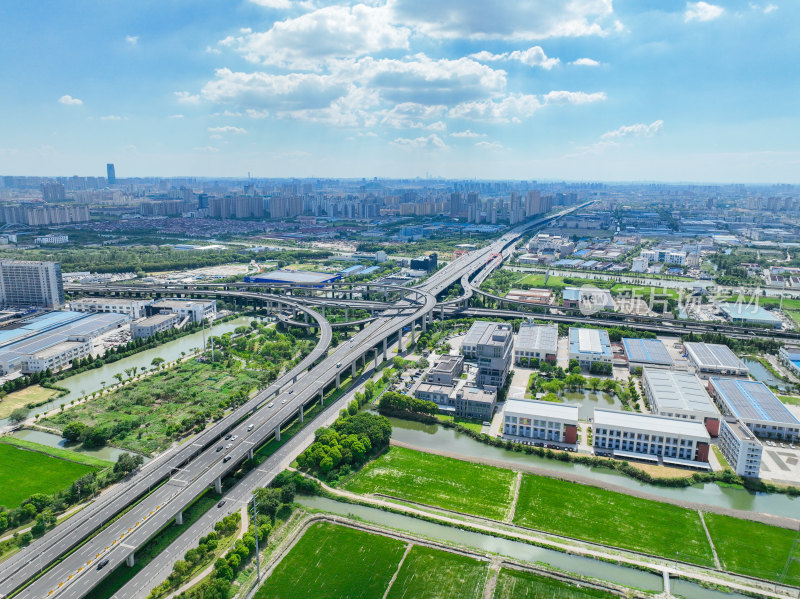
(534, 89)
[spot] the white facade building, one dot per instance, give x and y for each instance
(740, 447)
(540, 420)
(680, 395)
(536, 342)
(132, 308)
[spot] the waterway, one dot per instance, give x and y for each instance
(96, 379)
(587, 401)
(433, 436)
(107, 453)
(760, 373)
(513, 549)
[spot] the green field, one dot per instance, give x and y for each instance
(430, 573)
(26, 472)
(515, 584)
(331, 562)
(756, 549)
(612, 518)
(790, 399)
(65, 454)
(644, 292)
(34, 394)
(438, 481)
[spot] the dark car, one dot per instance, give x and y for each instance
(226, 459)
(102, 564)
(221, 503)
(219, 447)
(228, 436)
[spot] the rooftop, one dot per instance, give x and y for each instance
(477, 394)
(546, 409)
(448, 363)
(180, 303)
(752, 312)
(534, 337)
(752, 400)
(156, 319)
(651, 351)
(678, 391)
(648, 422)
(589, 341)
(295, 276)
(56, 349)
(740, 430)
(712, 355)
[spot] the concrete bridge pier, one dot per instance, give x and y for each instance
(130, 560)
(179, 518)
(353, 370)
(300, 414)
(338, 380)
(425, 323)
(413, 326)
(277, 433)
(346, 314)
(385, 354)
(250, 454)
(400, 341)
(321, 397)
(218, 484)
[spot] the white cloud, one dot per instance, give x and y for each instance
(256, 114)
(113, 117)
(132, 39)
(533, 57)
(410, 115)
(467, 134)
(489, 145)
(565, 97)
(431, 142)
(305, 42)
(585, 62)
(354, 109)
(187, 98)
(637, 130)
(212, 50)
(206, 149)
(176, 116)
(277, 4)
(70, 101)
(770, 8)
(702, 11)
(511, 108)
(227, 129)
(509, 19)
(437, 126)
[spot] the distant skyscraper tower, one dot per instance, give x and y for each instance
(112, 177)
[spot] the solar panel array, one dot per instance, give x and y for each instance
(713, 355)
(651, 351)
(753, 401)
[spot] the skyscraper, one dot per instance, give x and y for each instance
(112, 177)
(26, 284)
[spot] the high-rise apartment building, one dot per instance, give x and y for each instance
(110, 174)
(53, 191)
(26, 284)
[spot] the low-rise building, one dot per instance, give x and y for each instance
(195, 310)
(646, 352)
(540, 420)
(589, 345)
(133, 308)
(537, 297)
(711, 359)
(56, 357)
(629, 435)
(588, 299)
(469, 345)
(754, 404)
(536, 342)
(447, 370)
(472, 402)
(680, 395)
(750, 314)
(442, 395)
(740, 447)
(789, 355)
(147, 327)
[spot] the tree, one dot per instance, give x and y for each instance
(127, 462)
(119, 376)
(157, 362)
(74, 431)
(18, 415)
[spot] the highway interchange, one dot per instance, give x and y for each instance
(185, 472)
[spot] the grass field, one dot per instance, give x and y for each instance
(644, 292)
(19, 399)
(470, 423)
(612, 518)
(64, 454)
(794, 315)
(437, 480)
(756, 549)
(26, 472)
(795, 401)
(332, 561)
(430, 573)
(515, 584)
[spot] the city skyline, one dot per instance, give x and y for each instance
(589, 90)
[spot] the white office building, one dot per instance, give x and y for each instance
(132, 308)
(540, 421)
(740, 447)
(589, 345)
(157, 323)
(56, 357)
(195, 310)
(536, 342)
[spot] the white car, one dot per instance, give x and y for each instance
(270, 405)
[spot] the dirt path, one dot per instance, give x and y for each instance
(491, 579)
(710, 541)
(770, 519)
(514, 496)
(397, 571)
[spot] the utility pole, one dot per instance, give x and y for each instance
(255, 525)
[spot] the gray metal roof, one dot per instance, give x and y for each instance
(651, 424)
(752, 401)
(537, 338)
(649, 351)
(677, 391)
(543, 409)
(712, 355)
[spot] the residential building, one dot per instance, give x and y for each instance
(711, 359)
(157, 323)
(646, 352)
(195, 310)
(680, 395)
(26, 284)
(640, 264)
(536, 342)
(133, 308)
(473, 402)
(52, 239)
(447, 370)
(589, 345)
(494, 352)
(540, 420)
(740, 447)
(754, 404)
(629, 435)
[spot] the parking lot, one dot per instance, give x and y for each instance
(780, 462)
